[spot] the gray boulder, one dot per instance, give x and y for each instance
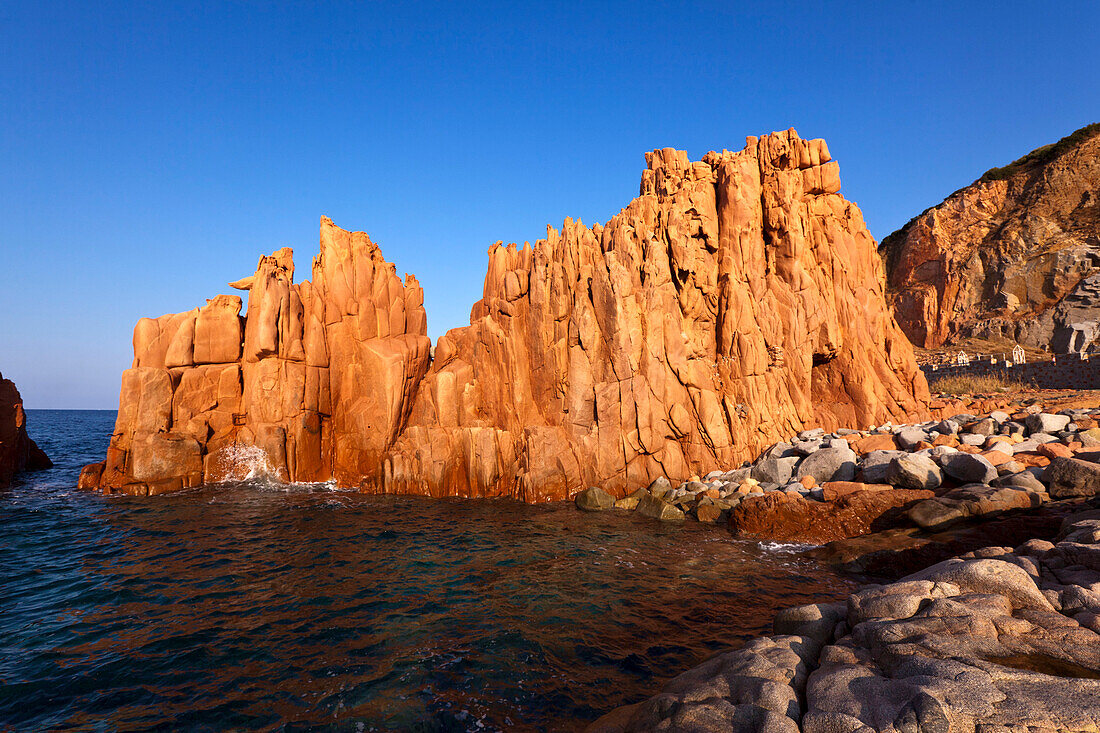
(829, 464)
(594, 499)
(1045, 422)
(806, 447)
(659, 487)
(968, 468)
(914, 472)
(876, 464)
(656, 508)
(1071, 477)
(1023, 479)
(947, 427)
(909, 437)
(776, 470)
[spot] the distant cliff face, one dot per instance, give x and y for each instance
(17, 451)
(1014, 255)
(735, 301)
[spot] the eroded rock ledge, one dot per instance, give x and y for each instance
(993, 640)
(17, 451)
(736, 301)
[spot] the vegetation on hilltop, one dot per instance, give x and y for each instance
(1043, 155)
(971, 384)
(1038, 157)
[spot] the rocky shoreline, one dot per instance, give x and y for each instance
(991, 639)
(822, 487)
(994, 640)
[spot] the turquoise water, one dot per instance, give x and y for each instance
(261, 607)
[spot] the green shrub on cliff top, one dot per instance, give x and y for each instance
(1040, 156)
(1045, 154)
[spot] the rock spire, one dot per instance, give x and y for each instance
(737, 300)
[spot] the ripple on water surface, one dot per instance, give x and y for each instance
(252, 606)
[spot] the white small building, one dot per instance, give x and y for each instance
(961, 359)
(1018, 355)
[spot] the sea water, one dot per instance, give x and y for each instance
(260, 606)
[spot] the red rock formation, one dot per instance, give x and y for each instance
(17, 451)
(777, 517)
(1013, 255)
(735, 301)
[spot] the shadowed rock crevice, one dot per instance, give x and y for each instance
(680, 336)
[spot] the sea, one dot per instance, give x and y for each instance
(263, 606)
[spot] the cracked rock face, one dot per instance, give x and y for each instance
(736, 301)
(1016, 258)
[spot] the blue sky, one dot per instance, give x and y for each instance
(152, 151)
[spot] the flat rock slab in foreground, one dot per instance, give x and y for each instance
(996, 640)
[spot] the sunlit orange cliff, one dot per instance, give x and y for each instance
(736, 300)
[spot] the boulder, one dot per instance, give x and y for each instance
(1022, 479)
(630, 501)
(659, 487)
(774, 470)
(908, 438)
(657, 508)
(968, 468)
(833, 490)
(709, 513)
(914, 472)
(593, 499)
(1071, 477)
(970, 502)
(1044, 422)
(782, 518)
(829, 464)
(875, 465)
(877, 442)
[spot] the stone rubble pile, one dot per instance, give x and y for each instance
(822, 486)
(993, 640)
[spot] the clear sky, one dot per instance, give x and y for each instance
(150, 152)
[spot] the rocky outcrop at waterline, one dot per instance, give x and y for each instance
(902, 485)
(1015, 255)
(17, 451)
(737, 300)
(993, 640)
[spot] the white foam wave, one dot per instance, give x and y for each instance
(242, 462)
(786, 546)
